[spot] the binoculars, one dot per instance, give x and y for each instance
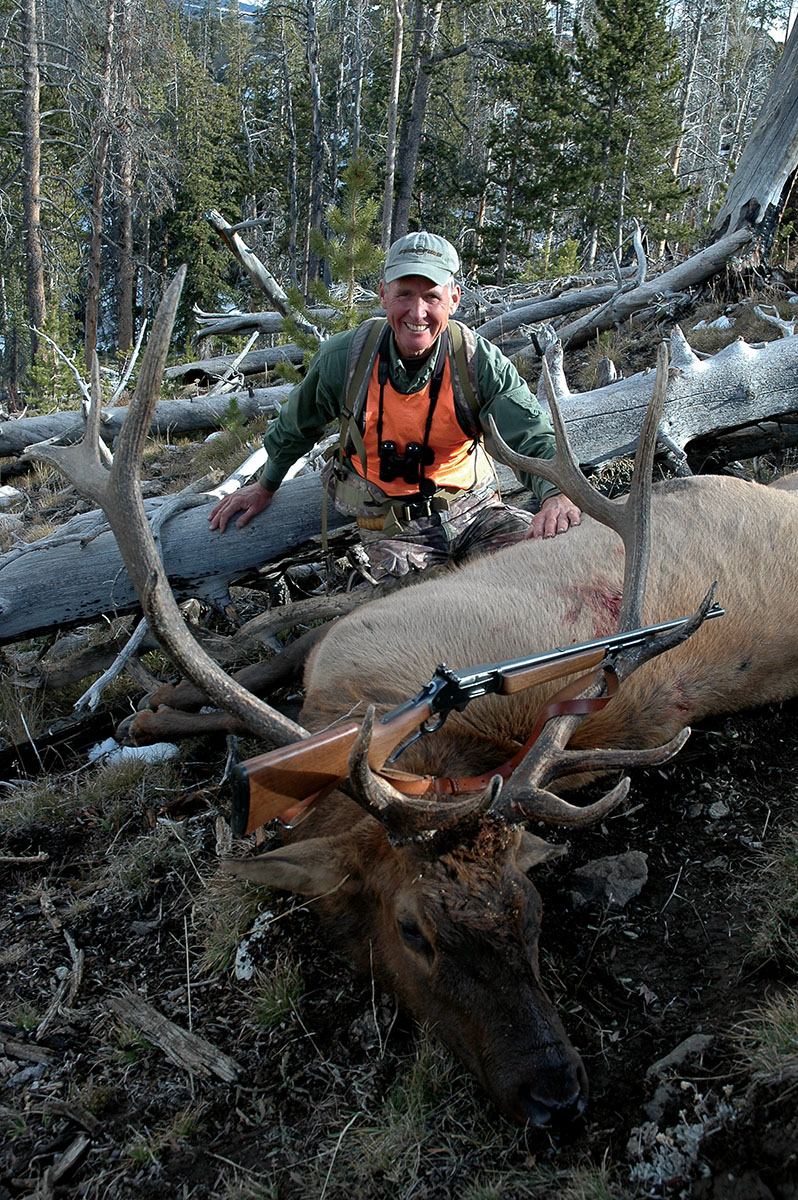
(407, 466)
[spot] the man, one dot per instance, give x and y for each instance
(414, 394)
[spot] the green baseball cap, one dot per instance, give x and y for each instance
(422, 254)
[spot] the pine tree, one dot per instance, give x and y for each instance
(528, 169)
(352, 254)
(625, 73)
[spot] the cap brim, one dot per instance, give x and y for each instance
(425, 268)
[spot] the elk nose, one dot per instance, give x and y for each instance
(549, 1112)
(553, 1096)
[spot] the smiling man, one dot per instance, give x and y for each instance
(414, 392)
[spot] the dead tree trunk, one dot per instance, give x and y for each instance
(207, 370)
(706, 397)
(31, 176)
(624, 304)
(171, 417)
(760, 186)
(84, 558)
(102, 140)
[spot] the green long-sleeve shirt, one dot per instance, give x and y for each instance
(317, 401)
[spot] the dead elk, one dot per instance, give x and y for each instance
(432, 895)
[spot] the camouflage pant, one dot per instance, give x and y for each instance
(474, 524)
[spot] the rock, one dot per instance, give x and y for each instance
(612, 881)
(691, 1047)
(664, 1071)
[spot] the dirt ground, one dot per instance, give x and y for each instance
(338, 1095)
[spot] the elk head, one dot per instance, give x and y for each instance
(431, 894)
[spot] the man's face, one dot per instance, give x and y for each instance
(418, 310)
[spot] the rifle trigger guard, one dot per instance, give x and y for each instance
(431, 724)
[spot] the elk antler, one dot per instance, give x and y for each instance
(118, 492)
(630, 518)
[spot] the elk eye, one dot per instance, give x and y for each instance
(413, 937)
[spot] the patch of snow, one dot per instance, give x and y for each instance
(111, 752)
(9, 495)
(244, 967)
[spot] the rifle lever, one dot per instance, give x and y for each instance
(431, 724)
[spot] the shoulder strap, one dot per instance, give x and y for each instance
(463, 350)
(359, 364)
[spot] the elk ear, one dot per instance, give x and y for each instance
(533, 850)
(310, 868)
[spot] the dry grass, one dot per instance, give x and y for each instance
(613, 345)
(769, 1038)
(774, 891)
(226, 452)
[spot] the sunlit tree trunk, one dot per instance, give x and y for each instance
(317, 147)
(760, 186)
(428, 19)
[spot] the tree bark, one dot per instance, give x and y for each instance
(761, 183)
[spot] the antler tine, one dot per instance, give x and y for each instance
(634, 656)
(630, 518)
(407, 818)
(82, 463)
(525, 799)
(118, 492)
(540, 805)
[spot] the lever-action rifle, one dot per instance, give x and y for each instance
(270, 784)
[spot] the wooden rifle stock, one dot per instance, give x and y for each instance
(283, 781)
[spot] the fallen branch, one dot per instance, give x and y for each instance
(694, 270)
(260, 275)
(194, 1054)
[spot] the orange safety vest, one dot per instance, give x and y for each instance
(404, 420)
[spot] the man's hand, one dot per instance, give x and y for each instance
(249, 501)
(557, 515)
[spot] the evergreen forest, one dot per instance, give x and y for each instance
(534, 135)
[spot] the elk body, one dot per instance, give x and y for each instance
(434, 897)
(536, 595)
(454, 932)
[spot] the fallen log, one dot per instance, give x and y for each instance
(739, 386)
(253, 363)
(172, 417)
(84, 558)
(259, 274)
(693, 271)
(544, 309)
(228, 324)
